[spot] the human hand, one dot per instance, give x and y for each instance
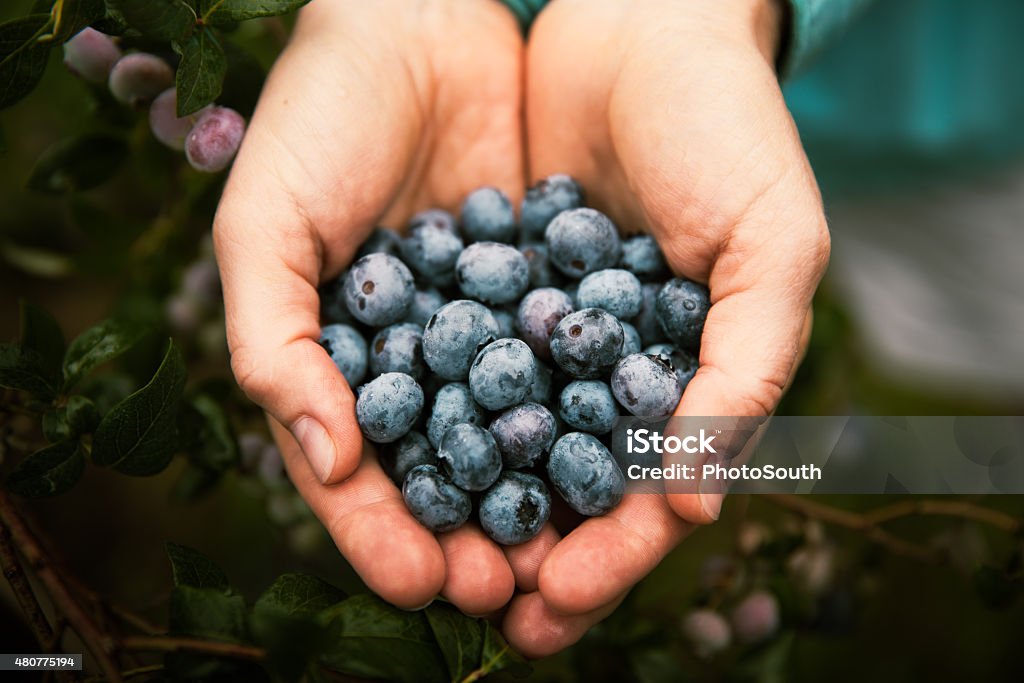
(376, 109)
(671, 116)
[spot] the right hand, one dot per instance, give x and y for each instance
(375, 110)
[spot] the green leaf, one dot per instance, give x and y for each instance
(22, 57)
(228, 11)
(97, 345)
(212, 444)
(78, 163)
(201, 72)
(372, 639)
(41, 333)
(78, 416)
(53, 470)
(191, 568)
(22, 369)
(71, 16)
(207, 613)
(139, 435)
(159, 19)
(298, 594)
(460, 638)
(498, 656)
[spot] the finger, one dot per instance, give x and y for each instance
(397, 558)
(606, 556)
(535, 630)
(479, 579)
(525, 559)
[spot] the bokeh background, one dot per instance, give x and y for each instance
(912, 122)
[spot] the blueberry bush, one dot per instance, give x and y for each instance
(125, 444)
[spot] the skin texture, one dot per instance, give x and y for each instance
(668, 113)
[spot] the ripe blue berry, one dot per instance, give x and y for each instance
(684, 363)
(646, 385)
(545, 200)
(453, 404)
(585, 474)
(581, 241)
(503, 374)
(431, 251)
(487, 216)
(398, 348)
(614, 290)
(469, 455)
(646, 322)
(491, 272)
(540, 391)
(381, 241)
(425, 303)
(506, 322)
(539, 313)
(682, 307)
(388, 407)
(515, 509)
(642, 256)
(542, 273)
(91, 55)
(524, 434)
(587, 344)
(412, 450)
(438, 218)
(434, 500)
(588, 405)
(379, 290)
(214, 140)
(139, 77)
(347, 349)
(631, 342)
(455, 335)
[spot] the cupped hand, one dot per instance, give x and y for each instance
(376, 109)
(670, 115)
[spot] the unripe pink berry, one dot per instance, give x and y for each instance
(91, 55)
(215, 139)
(707, 631)
(139, 77)
(756, 618)
(164, 121)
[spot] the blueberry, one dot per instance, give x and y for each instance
(646, 385)
(438, 218)
(412, 450)
(630, 340)
(682, 306)
(582, 241)
(545, 200)
(91, 55)
(432, 251)
(756, 617)
(642, 256)
(491, 272)
(214, 140)
(540, 391)
(616, 291)
(398, 348)
(347, 349)
(381, 241)
(646, 322)
(539, 313)
(453, 404)
(434, 500)
(170, 130)
(139, 77)
(388, 407)
(588, 405)
(524, 434)
(506, 322)
(515, 509)
(487, 216)
(379, 290)
(503, 374)
(469, 455)
(683, 362)
(587, 344)
(425, 303)
(542, 273)
(455, 335)
(585, 474)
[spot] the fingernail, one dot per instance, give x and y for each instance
(317, 445)
(711, 504)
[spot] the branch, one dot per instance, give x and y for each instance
(99, 645)
(946, 508)
(177, 644)
(27, 600)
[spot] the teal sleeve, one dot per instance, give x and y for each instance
(525, 10)
(813, 26)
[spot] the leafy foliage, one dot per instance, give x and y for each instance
(79, 163)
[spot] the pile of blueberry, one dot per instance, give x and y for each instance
(525, 354)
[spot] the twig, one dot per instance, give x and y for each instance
(177, 644)
(27, 600)
(99, 645)
(946, 508)
(856, 522)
